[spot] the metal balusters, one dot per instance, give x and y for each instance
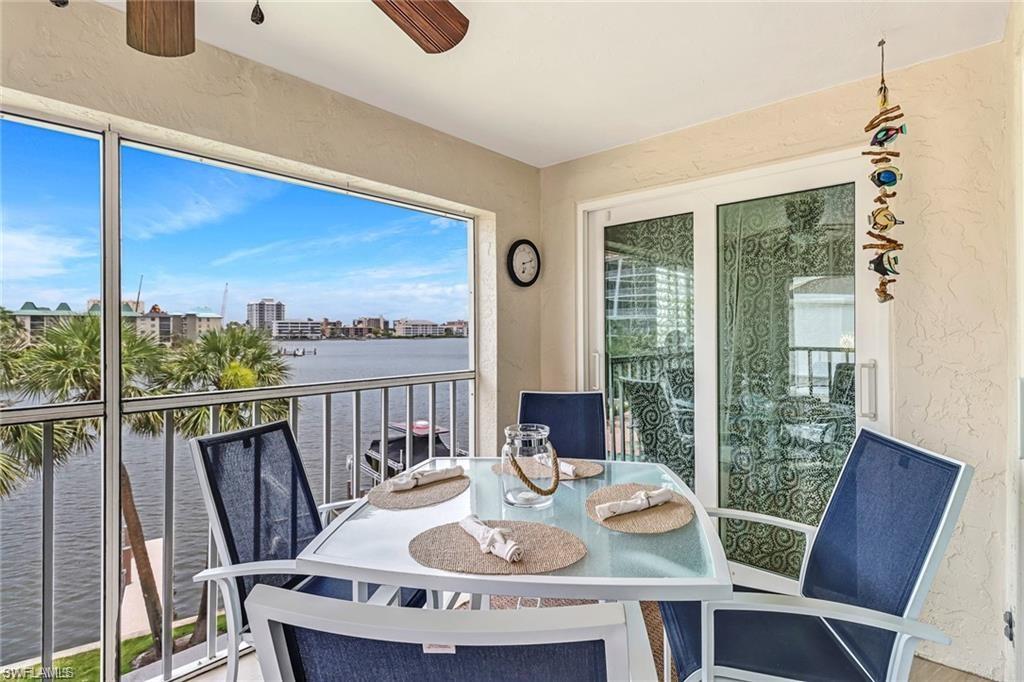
(471, 404)
(293, 415)
(357, 437)
(384, 432)
(431, 417)
(632, 436)
(257, 413)
(47, 617)
(327, 448)
(212, 593)
(829, 374)
(407, 464)
(452, 417)
(810, 372)
(611, 420)
(166, 631)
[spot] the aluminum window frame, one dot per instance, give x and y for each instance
(112, 407)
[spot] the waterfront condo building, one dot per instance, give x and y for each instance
(297, 329)
(455, 328)
(378, 323)
(263, 313)
(417, 328)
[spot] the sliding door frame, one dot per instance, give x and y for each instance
(702, 197)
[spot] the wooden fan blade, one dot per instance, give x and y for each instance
(434, 25)
(162, 28)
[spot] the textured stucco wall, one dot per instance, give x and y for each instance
(78, 56)
(1014, 46)
(954, 303)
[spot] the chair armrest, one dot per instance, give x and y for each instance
(804, 606)
(743, 515)
(641, 660)
(285, 566)
(330, 506)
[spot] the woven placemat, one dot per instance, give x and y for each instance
(424, 496)
(585, 468)
(545, 548)
(665, 517)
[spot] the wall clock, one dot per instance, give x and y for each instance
(523, 262)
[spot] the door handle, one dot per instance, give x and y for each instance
(867, 390)
(595, 371)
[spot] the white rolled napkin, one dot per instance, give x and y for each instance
(420, 478)
(492, 540)
(565, 468)
(641, 499)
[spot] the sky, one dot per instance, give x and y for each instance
(189, 228)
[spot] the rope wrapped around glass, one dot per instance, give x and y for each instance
(884, 176)
(528, 442)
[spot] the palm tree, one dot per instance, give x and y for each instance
(64, 366)
(227, 359)
(232, 358)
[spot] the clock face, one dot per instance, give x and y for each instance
(524, 263)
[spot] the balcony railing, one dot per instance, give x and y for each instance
(396, 397)
(812, 372)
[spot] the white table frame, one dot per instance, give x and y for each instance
(716, 587)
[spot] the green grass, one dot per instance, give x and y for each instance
(86, 664)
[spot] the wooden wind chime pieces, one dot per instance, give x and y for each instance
(884, 176)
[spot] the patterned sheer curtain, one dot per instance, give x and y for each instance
(649, 340)
(786, 355)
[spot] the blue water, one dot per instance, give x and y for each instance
(77, 483)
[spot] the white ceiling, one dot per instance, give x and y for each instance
(545, 82)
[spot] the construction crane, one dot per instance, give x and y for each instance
(224, 302)
(138, 296)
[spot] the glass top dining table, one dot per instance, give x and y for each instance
(369, 544)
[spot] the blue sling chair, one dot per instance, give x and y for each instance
(576, 420)
(867, 569)
(308, 638)
(262, 515)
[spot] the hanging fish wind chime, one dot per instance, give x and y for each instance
(885, 176)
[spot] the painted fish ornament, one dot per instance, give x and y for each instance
(885, 264)
(882, 219)
(886, 176)
(884, 136)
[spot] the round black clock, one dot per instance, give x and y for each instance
(523, 262)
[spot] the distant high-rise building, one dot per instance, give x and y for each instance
(263, 313)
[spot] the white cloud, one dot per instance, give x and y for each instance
(30, 253)
(239, 254)
(441, 224)
(179, 205)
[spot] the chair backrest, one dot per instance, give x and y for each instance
(307, 637)
(258, 498)
(660, 428)
(842, 390)
(882, 536)
(576, 420)
(680, 381)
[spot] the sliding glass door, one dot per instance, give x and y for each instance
(733, 328)
(648, 339)
(786, 363)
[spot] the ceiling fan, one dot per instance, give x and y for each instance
(167, 28)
